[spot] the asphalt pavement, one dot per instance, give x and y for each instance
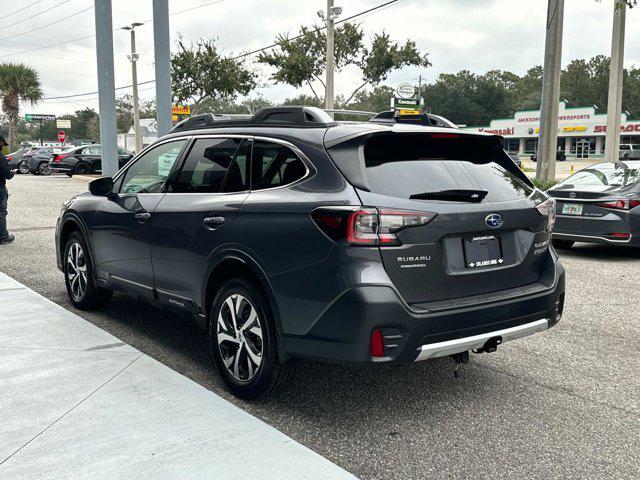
(562, 404)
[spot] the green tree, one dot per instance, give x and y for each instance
(376, 100)
(301, 60)
(124, 111)
(199, 73)
(18, 83)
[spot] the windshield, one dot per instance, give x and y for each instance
(607, 175)
(414, 166)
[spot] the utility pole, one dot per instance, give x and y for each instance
(134, 80)
(548, 140)
(162, 53)
(106, 87)
(332, 13)
(616, 73)
(331, 62)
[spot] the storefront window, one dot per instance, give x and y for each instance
(512, 145)
(531, 146)
(561, 143)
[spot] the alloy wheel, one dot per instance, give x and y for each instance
(77, 271)
(43, 169)
(240, 337)
(23, 168)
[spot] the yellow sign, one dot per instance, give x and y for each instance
(174, 118)
(574, 129)
(409, 112)
(181, 110)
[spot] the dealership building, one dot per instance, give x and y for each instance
(581, 131)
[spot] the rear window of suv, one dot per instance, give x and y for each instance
(401, 165)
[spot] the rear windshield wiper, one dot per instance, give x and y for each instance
(453, 195)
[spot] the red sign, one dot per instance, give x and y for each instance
(62, 136)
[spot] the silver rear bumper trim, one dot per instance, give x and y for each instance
(577, 238)
(449, 347)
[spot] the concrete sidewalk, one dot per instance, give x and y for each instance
(76, 402)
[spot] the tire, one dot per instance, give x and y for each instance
(78, 268)
(43, 169)
(69, 174)
(23, 168)
(562, 244)
(246, 354)
(82, 168)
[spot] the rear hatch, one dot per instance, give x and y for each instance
(484, 232)
(597, 200)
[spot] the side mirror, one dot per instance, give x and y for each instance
(101, 187)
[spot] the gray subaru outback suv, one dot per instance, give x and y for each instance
(289, 235)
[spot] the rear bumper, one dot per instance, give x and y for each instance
(599, 229)
(342, 334)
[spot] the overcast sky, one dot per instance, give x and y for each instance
(477, 35)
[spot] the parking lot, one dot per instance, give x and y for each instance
(563, 404)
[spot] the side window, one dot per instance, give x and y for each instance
(149, 173)
(275, 165)
(214, 165)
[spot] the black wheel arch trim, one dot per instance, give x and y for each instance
(235, 253)
(71, 217)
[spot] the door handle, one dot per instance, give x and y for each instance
(142, 217)
(211, 223)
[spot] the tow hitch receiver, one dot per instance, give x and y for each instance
(490, 345)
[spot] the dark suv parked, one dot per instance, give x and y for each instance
(289, 235)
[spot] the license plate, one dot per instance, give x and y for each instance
(483, 251)
(572, 209)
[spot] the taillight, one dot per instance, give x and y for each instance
(9, 158)
(367, 226)
(548, 209)
(57, 158)
(620, 204)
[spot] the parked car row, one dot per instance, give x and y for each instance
(80, 160)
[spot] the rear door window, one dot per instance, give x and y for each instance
(275, 165)
(215, 165)
(402, 165)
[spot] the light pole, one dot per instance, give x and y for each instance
(614, 103)
(332, 13)
(134, 80)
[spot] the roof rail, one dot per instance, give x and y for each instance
(290, 116)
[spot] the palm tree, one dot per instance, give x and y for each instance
(18, 83)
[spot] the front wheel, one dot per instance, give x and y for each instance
(562, 244)
(78, 267)
(242, 334)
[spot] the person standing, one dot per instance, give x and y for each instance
(5, 174)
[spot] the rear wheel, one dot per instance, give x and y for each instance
(78, 268)
(82, 169)
(23, 168)
(563, 244)
(43, 169)
(242, 334)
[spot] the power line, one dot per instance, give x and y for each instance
(253, 52)
(93, 35)
(35, 15)
(47, 25)
(21, 9)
